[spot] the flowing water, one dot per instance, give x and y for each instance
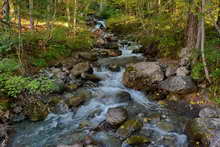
(67, 128)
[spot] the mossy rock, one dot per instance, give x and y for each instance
(54, 100)
(129, 127)
(136, 140)
(37, 111)
(75, 101)
(4, 104)
(71, 86)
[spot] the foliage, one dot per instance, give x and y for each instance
(9, 65)
(13, 85)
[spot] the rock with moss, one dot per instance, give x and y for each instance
(36, 110)
(116, 116)
(81, 68)
(75, 101)
(142, 75)
(4, 104)
(136, 140)
(205, 130)
(129, 127)
(87, 56)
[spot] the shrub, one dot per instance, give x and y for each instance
(9, 65)
(13, 85)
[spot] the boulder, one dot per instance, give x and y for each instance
(129, 127)
(90, 77)
(170, 70)
(182, 71)
(136, 140)
(75, 101)
(209, 112)
(178, 85)
(36, 110)
(116, 116)
(205, 130)
(120, 61)
(87, 56)
(123, 96)
(142, 75)
(81, 68)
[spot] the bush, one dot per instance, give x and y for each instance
(9, 65)
(13, 85)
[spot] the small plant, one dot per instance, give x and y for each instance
(15, 85)
(9, 65)
(198, 71)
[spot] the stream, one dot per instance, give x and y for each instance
(164, 130)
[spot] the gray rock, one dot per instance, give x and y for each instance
(182, 71)
(170, 71)
(120, 61)
(116, 116)
(129, 127)
(209, 113)
(178, 84)
(123, 96)
(207, 130)
(142, 75)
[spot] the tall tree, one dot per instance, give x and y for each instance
(75, 17)
(31, 6)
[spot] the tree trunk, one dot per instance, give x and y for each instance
(203, 42)
(68, 12)
(192, 26)
(6, 10)
(75, 17)
(31, 6)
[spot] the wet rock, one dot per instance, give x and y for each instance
(120, 61)
(136, 140)
(182, 71)
(91, 77)
(123, 96)
(129, 127)
(74, 145)
(116, 116)
(75, 101)
(36, 110)
(61, 108)
(142, 75)
(114, 68)
(81, 68)
(178, 85)
(172, 141)
(209, 113)
(107, 52)
(205, 130)
(167, 126)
